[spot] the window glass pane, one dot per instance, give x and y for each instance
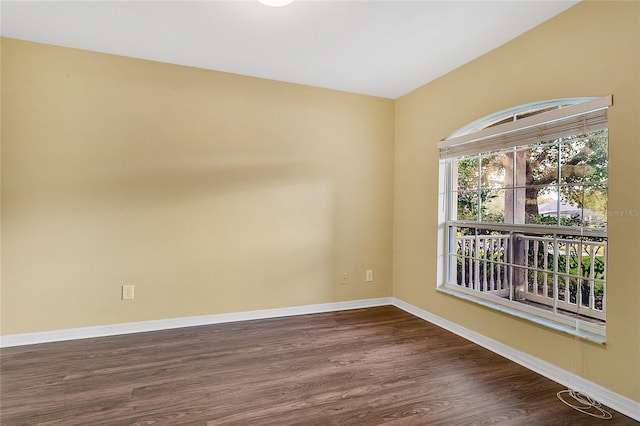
(537, 165)
(571, 205)
(539, 257)
(464, 249)
(568, 272)
(595, 206)
(492, 257)
(466, 173)
(584, 158)
(533, 278)
(521, 267)
(581, 276)
(540, 204)
(593, 272)
(466, 205)
(493, 204)
(497, 169)
(481, 258)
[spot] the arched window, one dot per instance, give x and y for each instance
(525, 201)
(517, 113)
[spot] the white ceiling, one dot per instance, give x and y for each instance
(379, 48)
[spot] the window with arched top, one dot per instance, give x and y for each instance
(525, 213)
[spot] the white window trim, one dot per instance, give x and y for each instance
(578, 328)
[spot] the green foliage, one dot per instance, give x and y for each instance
(471, 195)
(542, 219)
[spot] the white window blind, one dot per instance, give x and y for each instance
(582, 118)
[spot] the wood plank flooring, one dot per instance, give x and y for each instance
(377, 366)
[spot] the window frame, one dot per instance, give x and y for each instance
(481, 130)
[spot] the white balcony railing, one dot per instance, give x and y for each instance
(559, 273)
(483, 263)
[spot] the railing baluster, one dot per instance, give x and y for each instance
(474, 265)
(545, 262)
(536, 243)
(462, 263)
(470, 264)
(492, 281)
(527, 270)
(506, 259)
(496, 259)
(592, 276)
(579, 273)
(567, 260)
(502, 259)
(484, 264)
(479, 247)
(498, 265)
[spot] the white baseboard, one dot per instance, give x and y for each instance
(611, 399)
(165, 324)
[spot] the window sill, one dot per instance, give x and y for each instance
(591, 337)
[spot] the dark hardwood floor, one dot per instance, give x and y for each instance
(377, 366)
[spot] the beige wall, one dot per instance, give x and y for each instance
(217, 193)
(590, 50)
(209, 192)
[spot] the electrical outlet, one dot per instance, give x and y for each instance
(344, 278)
(369, 275)
(127, 292)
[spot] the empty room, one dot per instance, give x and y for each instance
(283, 212)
